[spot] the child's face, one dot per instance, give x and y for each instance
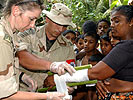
(71, 37)
(114, 40)
(89, 44)
(106, 46)
(102, 28)
(80, 44)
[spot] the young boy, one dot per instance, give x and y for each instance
(105, 44)
(90, 48)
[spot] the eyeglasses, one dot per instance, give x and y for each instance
(39, 2)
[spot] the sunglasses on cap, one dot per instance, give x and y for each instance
(39, 2)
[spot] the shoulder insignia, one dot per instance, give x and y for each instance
(7, 38)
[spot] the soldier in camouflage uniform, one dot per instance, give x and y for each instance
(19, 15)
(48, 43)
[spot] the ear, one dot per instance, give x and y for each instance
(47, 19)
(16, 11)
(97, 45)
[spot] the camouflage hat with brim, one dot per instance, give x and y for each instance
(60, 14)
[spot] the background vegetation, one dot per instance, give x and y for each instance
(83, 9)
(87, 9)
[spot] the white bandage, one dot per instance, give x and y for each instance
(78, 76)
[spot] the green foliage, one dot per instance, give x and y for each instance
(86, 9)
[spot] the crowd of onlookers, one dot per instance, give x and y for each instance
(92, 44)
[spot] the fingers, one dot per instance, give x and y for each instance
(49, 82)
(106, 82)
(70, 89)
(33, 86)
(61, 70)
(69, 68)
(50, 87)
(99, 93)
(102, 90)
(60, 67)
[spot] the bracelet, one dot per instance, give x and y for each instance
(20, 76)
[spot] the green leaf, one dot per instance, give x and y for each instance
(125, 2)
(113, 4)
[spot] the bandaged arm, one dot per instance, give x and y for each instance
(78, 76)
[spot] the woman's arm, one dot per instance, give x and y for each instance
(100, 71)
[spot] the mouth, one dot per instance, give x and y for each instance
(85, 48)
(101, 33)
(113, 30)
(104, 51)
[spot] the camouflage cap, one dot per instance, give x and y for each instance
(60, 14)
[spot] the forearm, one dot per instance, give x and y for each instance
(100, 71)
(30, 61)
(27, 96)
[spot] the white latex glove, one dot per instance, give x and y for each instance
(32, 85)
(78, 76)
(55, 96)
(60, 67)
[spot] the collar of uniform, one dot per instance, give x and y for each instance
(7, 26)
(59, 41)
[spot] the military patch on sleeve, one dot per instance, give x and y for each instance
(7, 38)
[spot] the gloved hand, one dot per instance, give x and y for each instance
(60, 67)
(32, 85)
(55, 96)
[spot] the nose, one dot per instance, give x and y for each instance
(62, 28)
(112, 25)
(102, 28)
(85, 43)
(103, 47)
(112, 40)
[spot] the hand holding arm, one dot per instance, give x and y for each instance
(60, 67)
(101, 89)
